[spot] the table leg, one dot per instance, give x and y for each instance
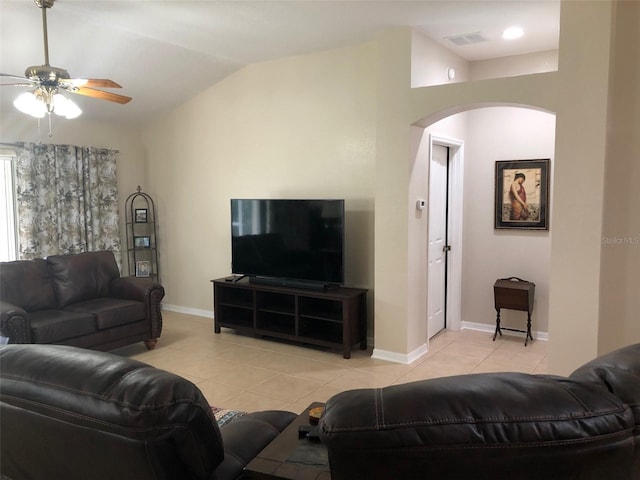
(529, 336)
(498, 331)
(346, 329)
(362, 322)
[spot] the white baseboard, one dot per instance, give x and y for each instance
(406, 358)
(188, 310)
(483, 327)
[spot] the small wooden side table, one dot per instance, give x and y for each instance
(513, 293)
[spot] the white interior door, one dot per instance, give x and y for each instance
(437, 255)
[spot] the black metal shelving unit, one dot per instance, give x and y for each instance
(142, 236)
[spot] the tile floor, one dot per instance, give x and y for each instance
(245, 373)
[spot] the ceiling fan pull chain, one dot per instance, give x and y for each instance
(50, 130)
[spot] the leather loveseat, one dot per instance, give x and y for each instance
(78, 299)
(493, 426)
(75, 414)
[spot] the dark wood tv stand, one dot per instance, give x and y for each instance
(335, 317)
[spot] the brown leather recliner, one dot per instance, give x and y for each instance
(493, 426)
(78, 299)
(75, 414)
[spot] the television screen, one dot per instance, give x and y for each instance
(288, 239)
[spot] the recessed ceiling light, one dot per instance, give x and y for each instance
(512, 33)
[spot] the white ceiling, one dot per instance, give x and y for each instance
(164, 52)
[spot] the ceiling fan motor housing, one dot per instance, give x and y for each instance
(46, 74)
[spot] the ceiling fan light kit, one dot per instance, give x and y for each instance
(43, 101)
(29, 103)
(47, 82)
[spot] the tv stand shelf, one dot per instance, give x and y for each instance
(335, 317)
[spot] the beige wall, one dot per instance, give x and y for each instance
(620, 285)
(503, 133)
(302, 127)
(539, 62)
(393, 327)
(430, 63)
(581, 131)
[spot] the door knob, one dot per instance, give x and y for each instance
(446, 248)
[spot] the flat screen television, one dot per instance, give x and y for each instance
(288, 242)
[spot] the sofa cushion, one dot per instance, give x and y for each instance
(110, 312)
(82, 276)
(472, 426)
(27, 284)
(51, 326)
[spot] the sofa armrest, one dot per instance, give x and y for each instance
(619, 373)
(15, 323)
(143, 290)
(133, 288)
(245, 437)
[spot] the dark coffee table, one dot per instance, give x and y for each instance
(290, 457)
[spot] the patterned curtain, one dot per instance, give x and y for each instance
(66, 200)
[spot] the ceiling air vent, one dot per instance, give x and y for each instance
(466, 39)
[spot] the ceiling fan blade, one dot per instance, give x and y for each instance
(25, 79)
(112, 97)
(92, 82)
(16, 84)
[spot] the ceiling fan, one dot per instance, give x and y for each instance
(48, 82)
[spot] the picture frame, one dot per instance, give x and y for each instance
(141, 215)
(142, 242)
(522, 194)
(143, 268)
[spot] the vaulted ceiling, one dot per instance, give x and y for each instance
(164, 52)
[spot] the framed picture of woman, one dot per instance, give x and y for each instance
(522, 194)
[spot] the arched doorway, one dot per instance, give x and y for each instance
(484, 136)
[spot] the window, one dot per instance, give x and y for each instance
(8, 239)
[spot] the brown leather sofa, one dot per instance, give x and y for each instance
(493, 426)
(75, 414)
(80, 300)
